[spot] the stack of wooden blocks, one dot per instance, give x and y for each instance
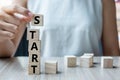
(107, 62)
(34, 45)
(86, 60)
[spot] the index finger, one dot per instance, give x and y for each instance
(16, 9)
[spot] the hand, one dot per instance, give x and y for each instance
(10, 19)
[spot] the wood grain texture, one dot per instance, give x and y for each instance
(51, 67)
(86, 61)
(90, 54)
(107, 62)
(34, 63)
(34, 45)
(34, 70)
(33, 34)
(16, 69)
(70, 61)
(34, 56)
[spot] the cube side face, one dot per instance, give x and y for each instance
(37, 20)
(102, 63)
(34, 54)
(70, 61)
(91, 61)
(33, 34)
(89, 54)
(86, 62)
(51, 68)
(37, 69)
(33, 45)
(107, 63)
(65, 61)
(50, 71)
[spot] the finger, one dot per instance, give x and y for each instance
(3, 38)
(27, 15)
(22, 17)
(8, 27)
(6, 34)
(20, 10)
(10, 19)
(16, 9)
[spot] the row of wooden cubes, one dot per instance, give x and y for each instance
(51, 67)
(87, 61)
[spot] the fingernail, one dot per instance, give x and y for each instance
(30, 14)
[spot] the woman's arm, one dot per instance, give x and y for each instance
(8, 45)
(109, 34)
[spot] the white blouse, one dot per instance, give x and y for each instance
(71, 27)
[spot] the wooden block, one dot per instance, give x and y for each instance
(107, 62)
(90, 54)
(34, 45)
(86, 61)
(34, 57)
(70, 61)
(51, 67)
(32, 34)
(34, 68)
(37, 20)
(118, 62)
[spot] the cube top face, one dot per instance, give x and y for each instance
(51, 62)
(87, 57)
(88, 54)
(70, 56)
(106, 57)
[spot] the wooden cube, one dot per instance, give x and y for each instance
(86, 61)
(90, 54)
(33, 34)
(51, 67)
(34, 68)
(34, 57)
(34, 45)
(118, 62)
(107, 62)
(70, 61)
(37, 20)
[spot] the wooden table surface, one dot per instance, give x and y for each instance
(17, 69)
